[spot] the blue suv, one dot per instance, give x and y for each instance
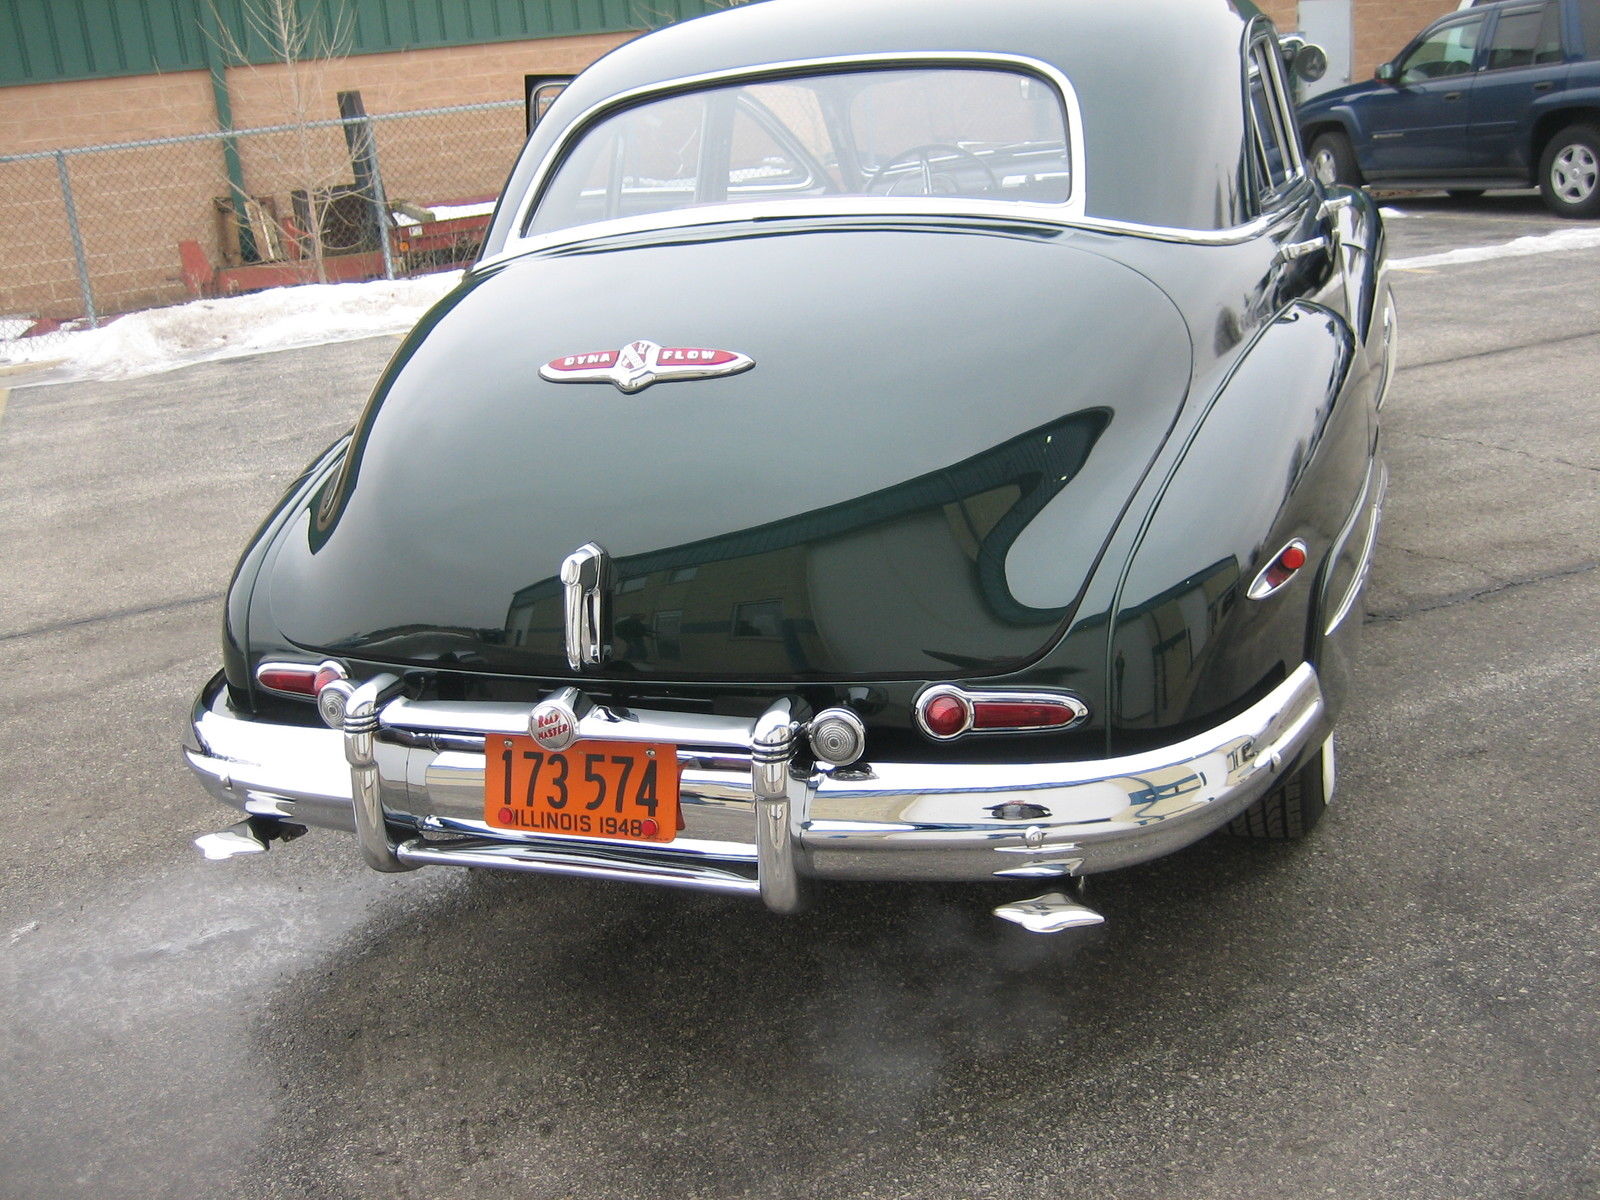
(1502, 95)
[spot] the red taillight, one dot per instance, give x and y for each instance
(944, 716)
(947, 711)
(285, 677)
(1006, 714)
(298, 679)
(1277, 573)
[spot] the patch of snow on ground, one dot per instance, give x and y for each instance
(448, 212)
(1550, 243)
(164, 339)
(1392, 214)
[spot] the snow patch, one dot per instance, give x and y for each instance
(1522, 247)
(447, 212)
(15, 327)
(1393, 214)
(164, 339)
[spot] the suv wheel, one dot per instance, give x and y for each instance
(1569, 172)
(1333, 161)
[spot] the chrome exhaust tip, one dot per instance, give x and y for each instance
(250, 836)
(1054, 912)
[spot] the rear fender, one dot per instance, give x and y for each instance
(1281, 453)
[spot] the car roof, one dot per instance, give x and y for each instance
(1158, 81)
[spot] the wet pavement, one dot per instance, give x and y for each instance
(1402, 1006)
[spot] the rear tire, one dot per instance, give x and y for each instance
(1292, 809)
(1569, 172)
(1333, 161)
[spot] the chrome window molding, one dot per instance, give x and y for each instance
(1260, 35)
(844, 206)
(1067, 215)
(735, 214)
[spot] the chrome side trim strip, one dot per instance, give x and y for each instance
(1368, 553)
(1391, 338)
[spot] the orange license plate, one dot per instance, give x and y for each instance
(627, 791)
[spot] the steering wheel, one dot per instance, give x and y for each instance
(923, 156)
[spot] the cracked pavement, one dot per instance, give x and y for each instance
(1403, 1006)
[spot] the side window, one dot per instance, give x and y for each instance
(758, 162)
(1448, 51)
(1589, 21)
(1525, 37)
(1274, 154)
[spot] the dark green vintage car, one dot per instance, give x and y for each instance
(882, 440)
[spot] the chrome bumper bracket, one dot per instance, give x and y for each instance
(361, 722)
(773, 780)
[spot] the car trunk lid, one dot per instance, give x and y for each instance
(915, 477)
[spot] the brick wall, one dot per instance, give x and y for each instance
(1382, 27)
(134, 207)
(1281, 13)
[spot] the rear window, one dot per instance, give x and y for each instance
(1526, 37)
(968, 133)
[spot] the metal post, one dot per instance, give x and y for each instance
(77, 240)
(208, 19)
(363, 146)
(381, 202)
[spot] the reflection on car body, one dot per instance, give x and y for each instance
(941, 495)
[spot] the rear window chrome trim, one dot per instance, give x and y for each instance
(756, 211)
(1065, 216)
(1062, 213)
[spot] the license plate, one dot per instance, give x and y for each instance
(626, 791)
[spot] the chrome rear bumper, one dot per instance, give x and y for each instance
(407, 778)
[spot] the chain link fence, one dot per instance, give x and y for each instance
(89, 232)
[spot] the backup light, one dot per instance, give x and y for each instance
(838, 736)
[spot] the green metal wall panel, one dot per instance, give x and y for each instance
(46, 40)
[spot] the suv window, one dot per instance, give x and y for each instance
(1526, 37)
(1448, 50)
(1589, 20)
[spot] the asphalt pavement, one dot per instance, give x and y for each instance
(1403, 1006)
